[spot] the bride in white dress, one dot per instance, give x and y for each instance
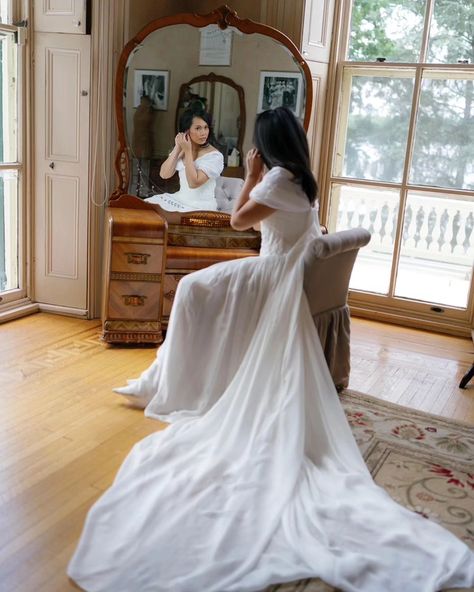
(198, 164)
(258, 479)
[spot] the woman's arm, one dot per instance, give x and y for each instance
(247, 212)
(168, 168)
(194, 176)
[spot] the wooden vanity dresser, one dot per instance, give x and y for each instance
(135, 260)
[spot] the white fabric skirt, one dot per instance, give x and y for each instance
(174, 202)
(258, 478)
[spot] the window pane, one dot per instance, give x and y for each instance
(8, 98)
(437, 250)
(444, 141)
(377, 211)
(452, 32)
(9, 231)
(6, 11)
(374, 144)
(386, 29)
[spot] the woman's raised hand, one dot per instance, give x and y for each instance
(254, 164)
(183, 142)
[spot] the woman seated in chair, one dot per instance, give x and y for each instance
(198, 163)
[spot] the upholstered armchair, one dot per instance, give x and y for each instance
(227, 190)
(329, 260)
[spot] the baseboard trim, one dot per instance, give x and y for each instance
(18, 312)
(448, 327)
(63, 310)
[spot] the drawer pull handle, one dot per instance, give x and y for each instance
(133, 300)
(138, 258)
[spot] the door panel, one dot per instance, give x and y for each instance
(60, 16)
(317, 29)
(62, 213)
(62, 72)
(63, 110)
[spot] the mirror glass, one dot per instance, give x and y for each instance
(170, 58)
(222, 100)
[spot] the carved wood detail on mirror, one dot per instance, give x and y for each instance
(170, 56)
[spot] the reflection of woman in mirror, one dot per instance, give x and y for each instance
(197, 162)
(258, 479)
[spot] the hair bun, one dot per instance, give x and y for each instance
(197, 107)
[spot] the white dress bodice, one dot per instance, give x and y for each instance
(293, 216)
(203, 197)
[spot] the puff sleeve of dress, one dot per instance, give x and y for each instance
(279, 190)
(211, 163)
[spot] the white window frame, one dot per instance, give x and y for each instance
(390, 308)
(20, 296)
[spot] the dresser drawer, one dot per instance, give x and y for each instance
(169, 291)
(134, 300)
(136, 257)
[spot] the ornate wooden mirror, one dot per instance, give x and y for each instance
(236, 68)
(180, 55)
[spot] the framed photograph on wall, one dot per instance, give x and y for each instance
(280, 89)
(155, 85)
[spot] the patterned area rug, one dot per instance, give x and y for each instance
(423, 461)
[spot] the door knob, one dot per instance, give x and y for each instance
(51, 165)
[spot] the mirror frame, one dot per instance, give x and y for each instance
(223, 17)
(211, 77)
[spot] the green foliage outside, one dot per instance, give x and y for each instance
(380, 106)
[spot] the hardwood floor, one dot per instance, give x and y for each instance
(64, 433)
(413, 368)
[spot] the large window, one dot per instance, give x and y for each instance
(403, 153)
(12, 277)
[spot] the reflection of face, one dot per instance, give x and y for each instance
(199, 131)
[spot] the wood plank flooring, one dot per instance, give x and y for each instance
(64, 433)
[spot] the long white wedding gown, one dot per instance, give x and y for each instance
(258, 479)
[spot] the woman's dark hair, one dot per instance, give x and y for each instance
(281, 140)
(196, 110)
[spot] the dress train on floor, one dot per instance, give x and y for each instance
(257, 479)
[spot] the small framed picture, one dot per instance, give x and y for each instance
(153, 84)
(215, 46)
(280, 89)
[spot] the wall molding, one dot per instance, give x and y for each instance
(285, 16)
(109, 35)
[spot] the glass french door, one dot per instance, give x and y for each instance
(403, 156)
(12, 255)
